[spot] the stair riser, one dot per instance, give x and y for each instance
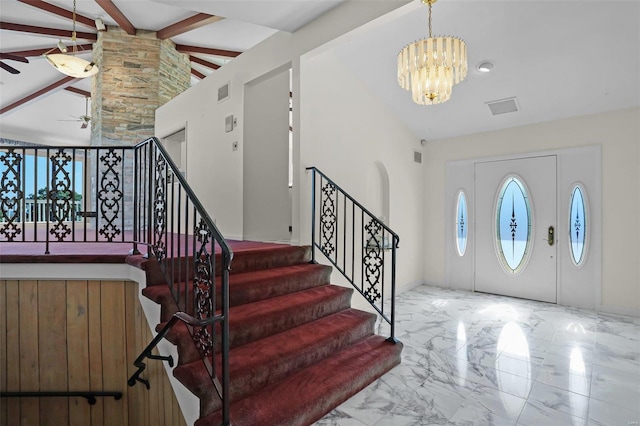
(181, 269)
(252, 287)
(248, 329)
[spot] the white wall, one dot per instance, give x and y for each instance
(345, 132)
(617, 132)
(215, 171)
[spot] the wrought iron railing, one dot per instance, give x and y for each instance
(358, 244)
(59, 194)
(135, 195)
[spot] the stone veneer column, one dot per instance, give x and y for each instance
(137, 75)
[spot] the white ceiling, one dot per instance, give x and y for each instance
(559, 58)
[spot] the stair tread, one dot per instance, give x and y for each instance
(287, 302)
(251, 286)
(317, 388)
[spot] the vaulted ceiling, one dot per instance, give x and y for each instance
(39, 102)
(558, 59)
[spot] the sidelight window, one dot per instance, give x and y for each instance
(462, 223)
(577, 225)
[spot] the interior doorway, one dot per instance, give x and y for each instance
(266, 152)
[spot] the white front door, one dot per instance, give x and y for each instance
(515, 245)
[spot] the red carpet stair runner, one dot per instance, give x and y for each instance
(298, 349)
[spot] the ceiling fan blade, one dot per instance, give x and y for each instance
(11, 57)
(9, 68)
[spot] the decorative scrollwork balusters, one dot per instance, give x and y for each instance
(110, 194)
(60, 195)
(11, 194)
(160, 208)
(328, 219)
(203, 288)
(373, 260)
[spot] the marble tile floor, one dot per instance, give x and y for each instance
(478, 359)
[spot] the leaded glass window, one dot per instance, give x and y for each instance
(513, 225)
(462, 223)
(577, 225)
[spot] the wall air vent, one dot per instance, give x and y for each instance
(223, 92)
(417, 157)
(503, 106)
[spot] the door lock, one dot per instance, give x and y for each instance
(551, 236)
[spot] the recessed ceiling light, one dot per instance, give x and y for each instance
(485, 66)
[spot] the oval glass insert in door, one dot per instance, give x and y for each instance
(513, 225)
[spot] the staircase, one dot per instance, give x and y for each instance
(298, 349)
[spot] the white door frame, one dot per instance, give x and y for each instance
(577, 286)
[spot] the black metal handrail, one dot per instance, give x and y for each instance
(181, 235)
(355, 241)
(156, 208)
(90, 396)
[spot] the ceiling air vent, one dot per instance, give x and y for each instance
(417, 157)
(503, 106)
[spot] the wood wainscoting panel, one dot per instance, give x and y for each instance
(28, 341)
(52, 351)
(78, 350)
(77, 336)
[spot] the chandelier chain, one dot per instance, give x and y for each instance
(73, 33)
(429, 19)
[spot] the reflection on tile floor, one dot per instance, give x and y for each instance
(477, 359)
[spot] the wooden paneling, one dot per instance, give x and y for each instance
(3, 351)
(78, 335)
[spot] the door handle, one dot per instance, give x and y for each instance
(551, 236)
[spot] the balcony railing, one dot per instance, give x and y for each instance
(126, 194)
(42, 210)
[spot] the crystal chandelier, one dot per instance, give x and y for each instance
(69, 64)
(430, 67)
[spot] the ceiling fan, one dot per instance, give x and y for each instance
(84, 119)
(10, 57)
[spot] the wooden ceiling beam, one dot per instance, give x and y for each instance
(12, 57)
(189, 24)
(204, 63)
(197, 73)
(82, 48)
(9, 68)
(115, 13)
(206, 51)
(78, 91)
(53, 32)
(59, 85)
(68, 14)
